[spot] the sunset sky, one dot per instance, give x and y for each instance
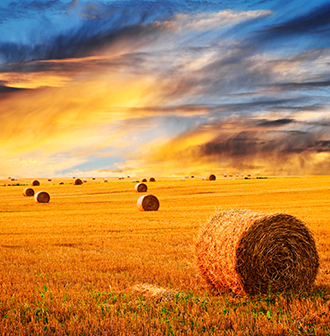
(164, 87)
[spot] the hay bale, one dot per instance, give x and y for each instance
(60, 183)
(183, 179)
(148, 203)
(251, 253)
(77, 182)
(49, 179)
(192, 176)
(152, 179)
(144, 180)
(211, 177)
(93, 178)
(105, 180)
(35, 183)
(141, 187)
(42, 197)
(28, 192)
(84, 180)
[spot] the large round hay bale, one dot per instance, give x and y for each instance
(144, 180)
(42, 197)
(251, 253)
(211, 177)
(148, 203)
(77, 182)
(152, 179)
(28, 192)
(141, 187)
(35, 183)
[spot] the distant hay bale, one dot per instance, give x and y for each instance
(42, 197)
(128, 176)
(203, 178)
(192, 176)
(144, 180)
(187, 176)
(152, 179)
(224, 175)
(148, 203)
(141, 187)
(251, 253)
(93, 178)
(77, 182)
(182, 179)
(28, 192)
(49, 179)
(9, 177)
(211, 177)
(105, 180)
(85, 180)
(60, 183)
(35, 183)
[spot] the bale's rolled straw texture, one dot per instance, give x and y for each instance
(141, 187)
(251, 253)
(28, 192)
(212, 177)
(42, 197)
(78, 182)
(35, 183)
(148, 203)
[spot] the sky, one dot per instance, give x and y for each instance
(164, 87)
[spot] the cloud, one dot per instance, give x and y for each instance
(163, 90)
(280, 146)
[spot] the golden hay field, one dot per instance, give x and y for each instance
(90, 263)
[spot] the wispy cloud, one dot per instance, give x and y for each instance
(189, 85)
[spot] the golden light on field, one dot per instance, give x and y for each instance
(90, 253)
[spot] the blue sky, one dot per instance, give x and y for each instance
(168, 87)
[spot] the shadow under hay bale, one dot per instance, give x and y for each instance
(141, 187)
(148, 203)
(152, 179)
(251, 253)
(212, 177)
(42, 197)
(28, 192)
(35, 183)
(77, 182)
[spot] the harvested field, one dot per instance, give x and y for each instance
(90, 260)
